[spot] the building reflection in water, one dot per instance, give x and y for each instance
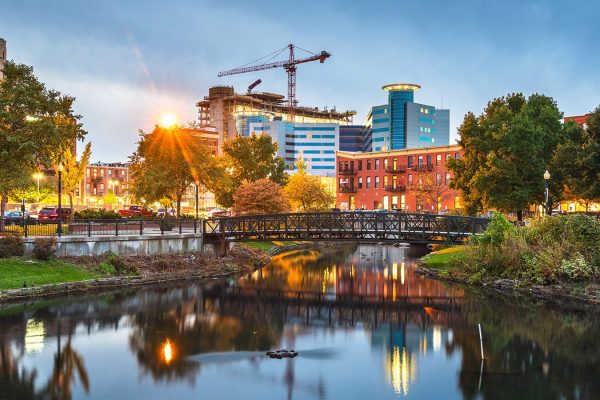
(35, 335)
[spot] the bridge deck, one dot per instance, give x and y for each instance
(351, 226)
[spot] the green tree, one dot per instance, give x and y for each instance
(506, 151)
(248, 159)
(262, 196)
(167, 161)
(73, 170)
(35, 123)
(306, 192)
(578, 159)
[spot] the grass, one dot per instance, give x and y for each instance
(440, 259)
(264, 246)
(18, 272)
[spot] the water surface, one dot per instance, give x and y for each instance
(365, 325)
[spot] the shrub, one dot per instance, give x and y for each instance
(113, 264)
(101, 213)
(497, 230)
(11, 244)
(44, 248)
(577, 268)
(167, 224)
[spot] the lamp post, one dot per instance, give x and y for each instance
(197, 184)
(546, 179)
(59, 229)
(37, 176)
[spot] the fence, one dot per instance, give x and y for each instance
(107, 227)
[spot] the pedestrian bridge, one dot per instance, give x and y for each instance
(354, 226)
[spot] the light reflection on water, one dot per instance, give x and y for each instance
(365, 325)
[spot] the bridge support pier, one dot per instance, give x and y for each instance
(220, 248)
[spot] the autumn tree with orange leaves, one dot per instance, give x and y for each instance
(167, 161)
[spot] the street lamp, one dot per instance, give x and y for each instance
(37, 176)
(197, 184)
(546, 179)
(59, 229)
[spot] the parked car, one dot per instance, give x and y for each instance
(165, 212)
(16, 218)
(136, 211)
(217, 212)
(50, 214)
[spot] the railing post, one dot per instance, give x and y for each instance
(89, 227)
(25, 228)
(59, 230)
(116, 227)
(142, 226)
(180, 228)
(195, 226)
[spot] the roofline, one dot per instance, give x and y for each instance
(418, 150)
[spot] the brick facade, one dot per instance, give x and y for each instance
(389, 180)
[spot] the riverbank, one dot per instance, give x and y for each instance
(29, 278)
(445, 265)
(24, 277)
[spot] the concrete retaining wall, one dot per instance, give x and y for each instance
(136, 245)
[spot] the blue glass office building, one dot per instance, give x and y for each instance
(404, 124)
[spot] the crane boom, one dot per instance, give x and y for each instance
(289, 66)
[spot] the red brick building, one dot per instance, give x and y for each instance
(397, 179)
(580, 120)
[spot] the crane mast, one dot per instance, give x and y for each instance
(290, 67)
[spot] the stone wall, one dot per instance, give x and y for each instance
(135, 245)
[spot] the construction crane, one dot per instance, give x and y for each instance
(290, 67)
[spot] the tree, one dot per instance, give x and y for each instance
(306, 192)
(262, 196)
(248, 159)
(506, 151)
(35, 123)
(167, 161)
(578, 160)
(73, 171)
(431, 187)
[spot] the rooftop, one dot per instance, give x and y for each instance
(401, 86)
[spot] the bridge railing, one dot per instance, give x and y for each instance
(368, 226)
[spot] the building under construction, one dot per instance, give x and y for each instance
(229, 112)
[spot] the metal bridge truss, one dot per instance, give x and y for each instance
(345, 226)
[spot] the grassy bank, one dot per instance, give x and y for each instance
(442, 260)
(18, 272)
(562, 249)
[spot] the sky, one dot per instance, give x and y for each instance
(129, 62)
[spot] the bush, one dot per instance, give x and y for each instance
(44, 248)
(167, 224)
(576, 268)
(113, 264)
(101, 213)
(11, 244)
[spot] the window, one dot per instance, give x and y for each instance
(368, 182)
(410, 161)
(457, 155)
(110, 172)
(395, 163)
(438, 159)
(102, 186)
(385, 163)
(368, 165)
(340, 166)
(351, 165)
(360, 165)
(410, 181)
(438, 179)
(377, 164)
(376, 182)
(420, 161)
(429, 159)
(385, 180)
(447, 178)
(360, 183)
(394, 202)
(102, 172)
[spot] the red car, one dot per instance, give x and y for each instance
(50, 214)
(136, 211)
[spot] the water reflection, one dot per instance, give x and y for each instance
(366, 327)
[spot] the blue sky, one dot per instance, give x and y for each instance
(127, 62)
